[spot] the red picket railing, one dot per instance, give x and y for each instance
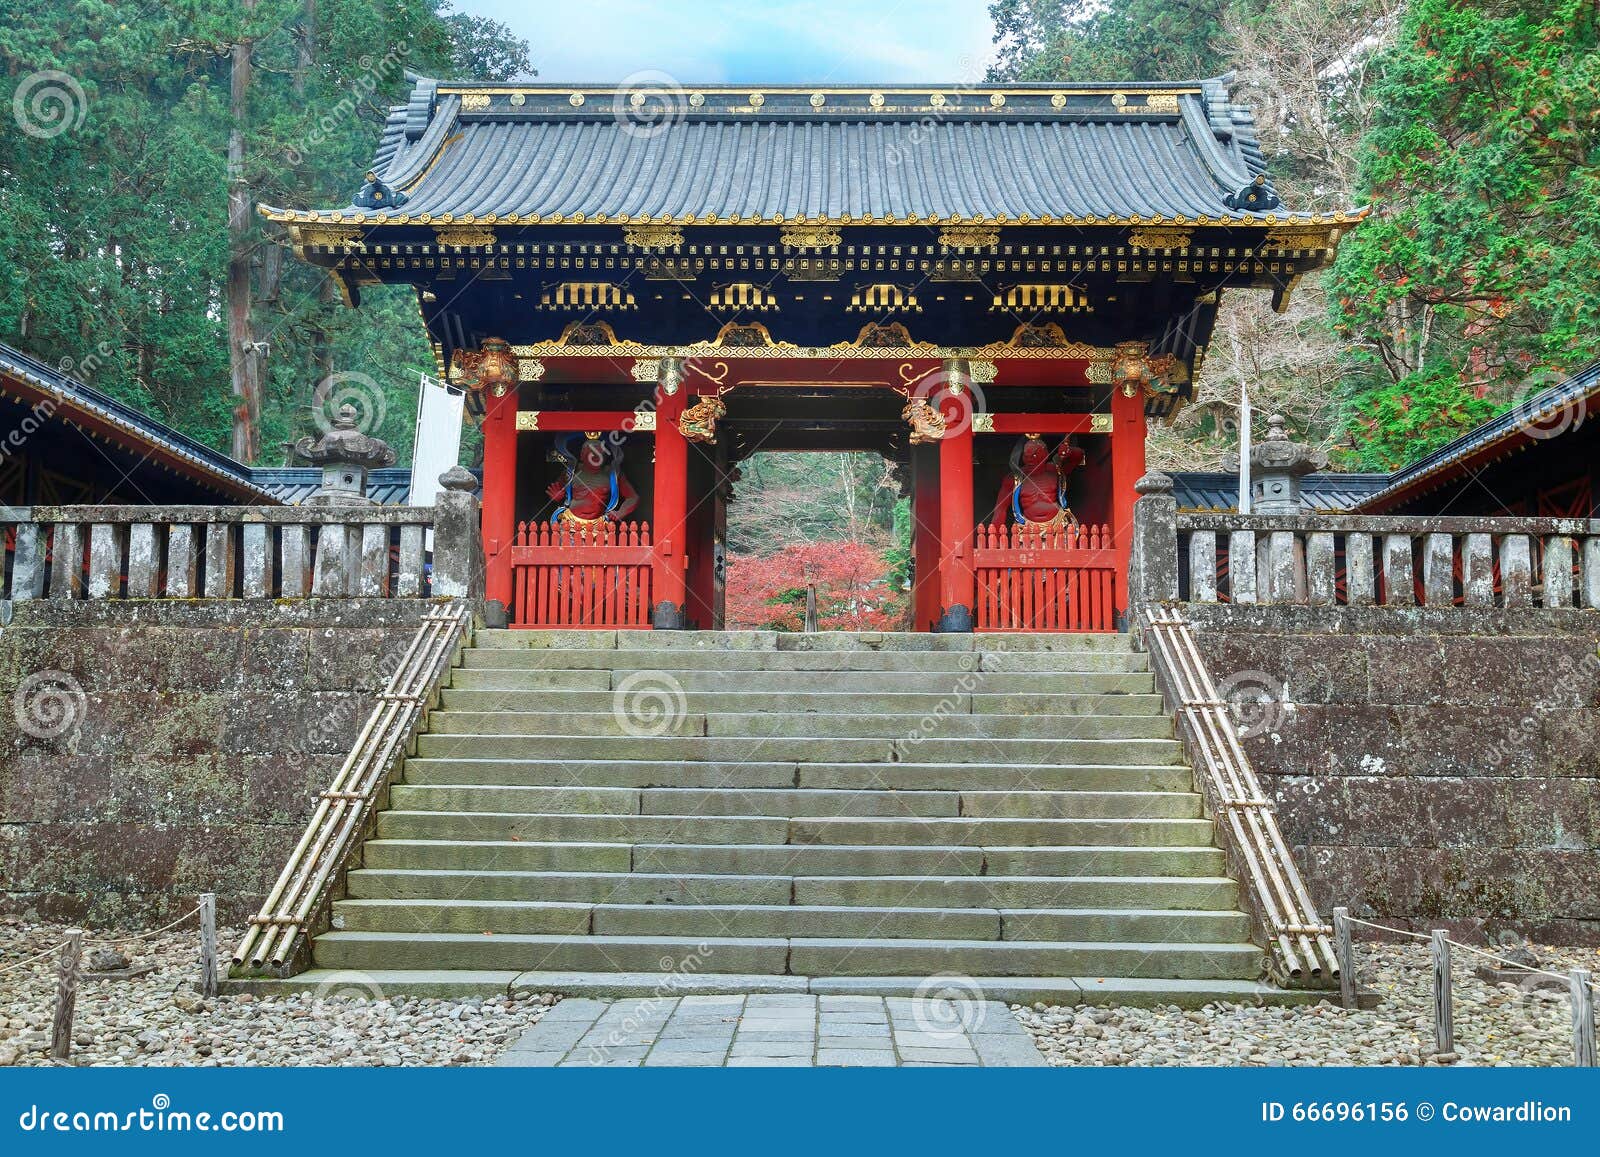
(1035, 579)
(581, 575)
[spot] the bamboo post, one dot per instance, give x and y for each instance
(811, 607)
(208, 944)
(66, 994)
(1582, 1018)
(1444, 1027)
(1346, 952)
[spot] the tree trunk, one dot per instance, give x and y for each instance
(244, 357)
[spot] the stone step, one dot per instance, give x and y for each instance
(795, 803)
(649, 718)
(931, 662)
(811, 750)
(774, 955)
(691, 773)
(792, 859)
(841, 682)
(501, 917)
(576, 640)
(825, 831)
(584, 887)
(912, 703)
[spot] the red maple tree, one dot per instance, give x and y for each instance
(854, 592)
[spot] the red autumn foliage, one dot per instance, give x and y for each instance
(854, 591)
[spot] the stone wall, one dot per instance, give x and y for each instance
(150, 751)
(1436, 768)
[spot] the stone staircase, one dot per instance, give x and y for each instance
(595, 812)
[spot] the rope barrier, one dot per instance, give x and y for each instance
(1483, 952)
(146, 935)
(14, 965)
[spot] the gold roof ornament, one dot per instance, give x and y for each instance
(810, 237)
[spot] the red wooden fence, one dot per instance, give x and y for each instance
(581, 575)
(1031, 579)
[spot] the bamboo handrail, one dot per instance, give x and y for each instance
(1244, 814)
(330, 833)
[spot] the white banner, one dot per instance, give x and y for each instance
(437, 445)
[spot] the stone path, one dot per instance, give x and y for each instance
(774, 1030)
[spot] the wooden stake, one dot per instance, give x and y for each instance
(208, 944)
(1582, 1018)
(1345, 949)
(66, 994)
(811, 608)
(1444, 1026)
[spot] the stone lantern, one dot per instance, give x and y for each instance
(345, 455)
(1276, 466)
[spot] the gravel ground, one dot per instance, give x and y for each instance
(159, 1019)
(1495, 1024)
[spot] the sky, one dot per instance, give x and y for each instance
(741, 41)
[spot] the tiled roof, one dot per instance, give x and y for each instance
(1217, 492)
(514, 154)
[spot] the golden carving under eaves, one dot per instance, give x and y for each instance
(810, 237)
(653, 236)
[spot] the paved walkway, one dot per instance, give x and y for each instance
(774, 1030)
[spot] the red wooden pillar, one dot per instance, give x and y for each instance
(670, 517)
(956, 583)
(1127, 467)
(499, 494)
(924, 537)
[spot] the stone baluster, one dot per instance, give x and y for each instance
(458, 545)
(1516, 571)
(1438, 569)
(294, 562)
(256, 582)
(1153, 553)
(1320, 589)
(28, 565)
(144, 562)
(182, 565)
(1359, 572)
(1282, 586)
(1477, 570)
(1591, 572)
(1242, 565)
(1558, 571)
(1203, 566)
(66, 561)
(105, 560)
(374, 580)
(219, 560)
(1399, 576)
(413, 560)
(328, 578)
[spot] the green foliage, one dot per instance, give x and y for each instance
(1477, 270)
(1088, 40)
(115, 229)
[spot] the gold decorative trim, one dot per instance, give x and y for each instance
(1162, 102)
(1099, 371)
(892, 335)
(464, 237)
(882, 296)
(530, 370)
(1098, 357)
(1035, 297)
(1298, 238)
(757, 99)
(327, 235)
(970, 237)
(983, 423)
(810, 237)
(982, 372)
(587, 295)
(743, 295)
(1160, 238)
(818, 100)
(527, 419)
(644, 421)
(474, 101)
(646, 369)
(653, 237)
(576, 100)
(1100, 423)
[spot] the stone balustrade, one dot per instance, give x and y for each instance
(241, 552)
(1360, 560)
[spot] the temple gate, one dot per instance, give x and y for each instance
(994, 288)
